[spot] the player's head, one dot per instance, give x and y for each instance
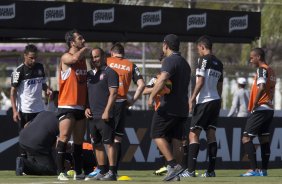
(117, 50)
(171, 42)
(97, 57)
(257, 55)
(30, 55)
(74, 39)
(204, 45)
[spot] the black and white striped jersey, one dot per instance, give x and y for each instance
(29, 83)
(211, 69)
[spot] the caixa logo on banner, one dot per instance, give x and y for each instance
(7, 11)
(238, 23)
(196, 21)
(151, 18)
(103, 16)
(54, 14)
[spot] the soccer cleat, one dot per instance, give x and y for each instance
(71, 173)
(63, 177)
(109, 176)
(161, 171)
(79, 176)
(19, 166)
(208, 174)
(92, 174)
(187, 174)
(172, 172)
(250, 173)
(262, 172)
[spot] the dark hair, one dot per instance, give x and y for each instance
(259, 52)
(206, 41)
(102, 52)
(69, 36)
(172, 41)
(118, 48)
(30, 48)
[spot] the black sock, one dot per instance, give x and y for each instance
(251, 151)
(77, 156)
(103, 169)
(113, 169)
(193, 154)
(118, 148)
(172, 163)
(22, 152)
(61, 151)
(185, 157)
(265, 154)
(212, 150)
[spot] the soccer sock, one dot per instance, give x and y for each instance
(61, 151)
(265, 154)
(172, 163)
(251, 151)
(77, 156)
(212, 150)
(103, 169)
(185, 157)
(113, 169)
(192, 156)
(118, 147)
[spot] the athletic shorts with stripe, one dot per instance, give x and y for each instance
(258, 123)
(102, 132)
(205, 115)
(65, 113)
(119, 117)
(167, 126)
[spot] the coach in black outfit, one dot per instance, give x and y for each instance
(168, 121)
(102, 83)
(37, 139)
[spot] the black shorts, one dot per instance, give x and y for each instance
(102, 132)
(65, 113)
(119, 116)
(167, 126)
(25, 118)
(258, 123)
(205, 115)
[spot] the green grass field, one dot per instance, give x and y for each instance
(223, 176)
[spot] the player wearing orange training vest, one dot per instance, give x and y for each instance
(261, 108)
(127, 72)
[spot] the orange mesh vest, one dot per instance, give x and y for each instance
(73, 90)
(268, 94)
(124, 69)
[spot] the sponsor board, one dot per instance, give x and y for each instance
(151, 18)
(238, 23)
(196, 21)
(54, 14)
(7, 11)
(104, 16)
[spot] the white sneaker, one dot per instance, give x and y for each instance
(63, 177)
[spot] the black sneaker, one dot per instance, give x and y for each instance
(109, 176)
(19, 166)
(172, 172)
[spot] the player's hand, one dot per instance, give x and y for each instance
(16, 117)
(49, 92)
(88, 113)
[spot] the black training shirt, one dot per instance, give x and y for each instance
(176, 102)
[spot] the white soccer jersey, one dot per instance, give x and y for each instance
(211, 69)
(29, 83)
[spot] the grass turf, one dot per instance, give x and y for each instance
(223, 176)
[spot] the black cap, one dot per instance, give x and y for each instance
(172, 41)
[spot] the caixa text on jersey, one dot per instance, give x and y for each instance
(34, 81)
